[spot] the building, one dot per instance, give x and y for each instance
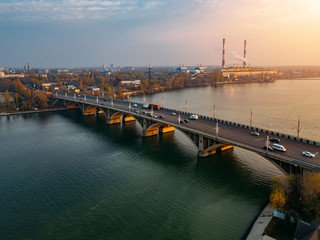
(307, 231)
(133, 82)
(182, 70)
(234, 73)
(3, 75)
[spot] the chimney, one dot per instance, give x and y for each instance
(245, 53)
(223, 53)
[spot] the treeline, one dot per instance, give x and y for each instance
(24, 98)
(297, 196)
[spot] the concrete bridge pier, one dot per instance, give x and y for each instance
(127, 118)
(207, 146)
(166, 129)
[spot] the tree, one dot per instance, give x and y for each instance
(278, 196)
(40, 100)
(29, 94)
(20, 88)
(80, 85)
(311, 196)
(120, 92)
(278, 199)
(17, 99)
(7, 98)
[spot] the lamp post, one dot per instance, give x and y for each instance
(267, 144)
(217, 130)
(298, 129)
(186, 105)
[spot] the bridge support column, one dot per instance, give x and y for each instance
(111, 121)
(208, 147)
(100, 111)
(88, 113)
(128, 118)
(213, 150)
(150, 132)
(166, 129)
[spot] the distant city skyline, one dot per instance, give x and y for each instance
(70, 33)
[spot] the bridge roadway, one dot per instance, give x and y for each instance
(229, 134)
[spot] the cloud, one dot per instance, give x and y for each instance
(72, 9)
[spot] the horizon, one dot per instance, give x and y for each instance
(78, 34)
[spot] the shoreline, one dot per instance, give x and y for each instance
(259, 224)
(31, 111)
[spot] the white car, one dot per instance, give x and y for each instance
(193, 117)
(135, 105)
(308, 154)
(279, 147)
(173, 113)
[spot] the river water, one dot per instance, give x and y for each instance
(66, 176)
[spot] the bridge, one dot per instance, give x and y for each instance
(209, 135)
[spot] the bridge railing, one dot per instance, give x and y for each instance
(270, 132)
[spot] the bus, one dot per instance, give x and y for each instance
(154, 106)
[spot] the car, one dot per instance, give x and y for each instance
(255, 133)
(136, 111)
(181, 121)
(308, 154)
(269, 148)
(194, 117)
(154, 116)
(161, 116)
(279, 147)
(173, 113)
(135, 105)
(275, 140)
(106, 100)
(144, 111)
(186, 120)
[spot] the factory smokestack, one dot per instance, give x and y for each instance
(223, 53)
(245, 53)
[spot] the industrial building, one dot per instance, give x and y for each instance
(248, 72)
(234, 73)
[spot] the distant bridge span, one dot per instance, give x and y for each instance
(203, 132)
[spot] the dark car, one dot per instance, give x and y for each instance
(186, 120)
(255, 133)
(275, 140)
(161, 116)
(269, 148)
(181, 121)
(105, 100)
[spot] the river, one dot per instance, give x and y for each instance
(66, 176)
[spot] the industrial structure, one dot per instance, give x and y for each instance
(245, 72)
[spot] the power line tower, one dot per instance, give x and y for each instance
(149, 73)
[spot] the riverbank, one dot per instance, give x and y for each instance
(30, 112)
(260, 224)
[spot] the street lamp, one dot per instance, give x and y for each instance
(217, 130)
(267, 144)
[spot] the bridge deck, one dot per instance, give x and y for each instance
(230, 134)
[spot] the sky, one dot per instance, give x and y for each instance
(85, 33)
